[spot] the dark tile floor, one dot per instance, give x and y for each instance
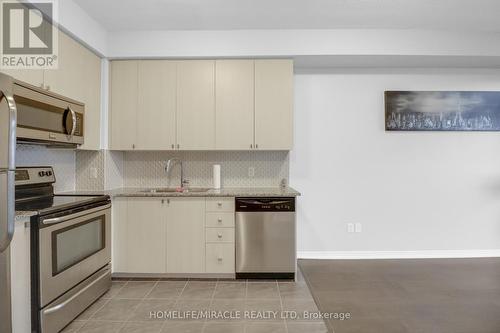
(127, 307)
(423, 296)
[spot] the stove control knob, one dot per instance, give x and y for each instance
(41, 173)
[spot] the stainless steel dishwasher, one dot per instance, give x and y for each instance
(265, 238)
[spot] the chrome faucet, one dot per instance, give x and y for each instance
(168, 168)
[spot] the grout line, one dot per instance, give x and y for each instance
(138, 304)
(175, 303)
(281, 304)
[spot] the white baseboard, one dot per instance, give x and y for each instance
(398, 254)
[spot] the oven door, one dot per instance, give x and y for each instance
(71, 248)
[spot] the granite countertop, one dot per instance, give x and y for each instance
(225, 192)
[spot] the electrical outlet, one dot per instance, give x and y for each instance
(251, 172)
(93, 173)
(350, 227)
(358, 227)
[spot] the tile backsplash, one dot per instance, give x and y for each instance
(98, 170)
(147, 169)
(63, 161)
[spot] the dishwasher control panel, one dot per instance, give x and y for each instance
(278, 204)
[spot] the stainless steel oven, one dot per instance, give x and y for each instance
(47, 118)
(71, 248)
(74, 252)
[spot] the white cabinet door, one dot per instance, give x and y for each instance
(119, 235)
(31, 76)
(186, 235)
(196, 104)
(146, 227)
(274, 104)
(157, 90)
(123, 90)
(92, 99)
(69, 79)
(234, 104)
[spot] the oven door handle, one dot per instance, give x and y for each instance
(76, 215)
(72, 298)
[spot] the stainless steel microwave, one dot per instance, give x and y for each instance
(47, 118)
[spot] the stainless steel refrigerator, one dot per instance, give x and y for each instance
(7, 205)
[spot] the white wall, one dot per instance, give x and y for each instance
(411, 191)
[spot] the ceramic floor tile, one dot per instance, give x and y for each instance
(263, 309)
(268, 327)
(101, 327)
(152, 310)
(262, 290)
(116, 286)
(135, 289)
(294, 290)
(175, 326)
(224, 327)
(230, 290)
(199, 290)
(311, 327)
(167, 289)
(116, 310)
(142, 327)
(74, 326)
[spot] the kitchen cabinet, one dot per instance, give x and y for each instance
(78, 77)
(157, 89)
(186, 235)
(139, 245)
(172, 235)
(228, 104)
(234, 103)
(196, 104)
(123, 129)
(31, 76)
(273, 104)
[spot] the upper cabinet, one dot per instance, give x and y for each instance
(234, 95)
(201, 105)
(156, 93)
(78, 77)
(123, 120)
(274, 104)
(196, 105)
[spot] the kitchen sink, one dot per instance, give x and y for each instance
(173, 190)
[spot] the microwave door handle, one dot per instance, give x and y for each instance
(73, 118)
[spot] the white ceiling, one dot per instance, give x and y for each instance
(119, 15)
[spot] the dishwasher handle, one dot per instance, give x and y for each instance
(265, 204)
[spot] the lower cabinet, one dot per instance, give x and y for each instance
(186, 235)
(171, 235)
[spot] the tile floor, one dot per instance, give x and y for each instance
(127, 307)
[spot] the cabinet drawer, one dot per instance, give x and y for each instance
(220, 258)
(220, 204)
(219, 220)
(219, 235)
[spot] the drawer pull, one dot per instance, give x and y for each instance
(219, 219)
(219, 235)
(219, 258)
(219, 204)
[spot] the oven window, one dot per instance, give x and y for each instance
(76, 243)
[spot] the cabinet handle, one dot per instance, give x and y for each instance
(256, 146)
(47, 87)
(133, 146)
(178, 146)
(219, 235)
(251, 146)
(162, 201)
(219, 258)
(219, 219)
(168, 201)
(219, 204)
(173, 146)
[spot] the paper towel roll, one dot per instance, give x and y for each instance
(217, 176)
